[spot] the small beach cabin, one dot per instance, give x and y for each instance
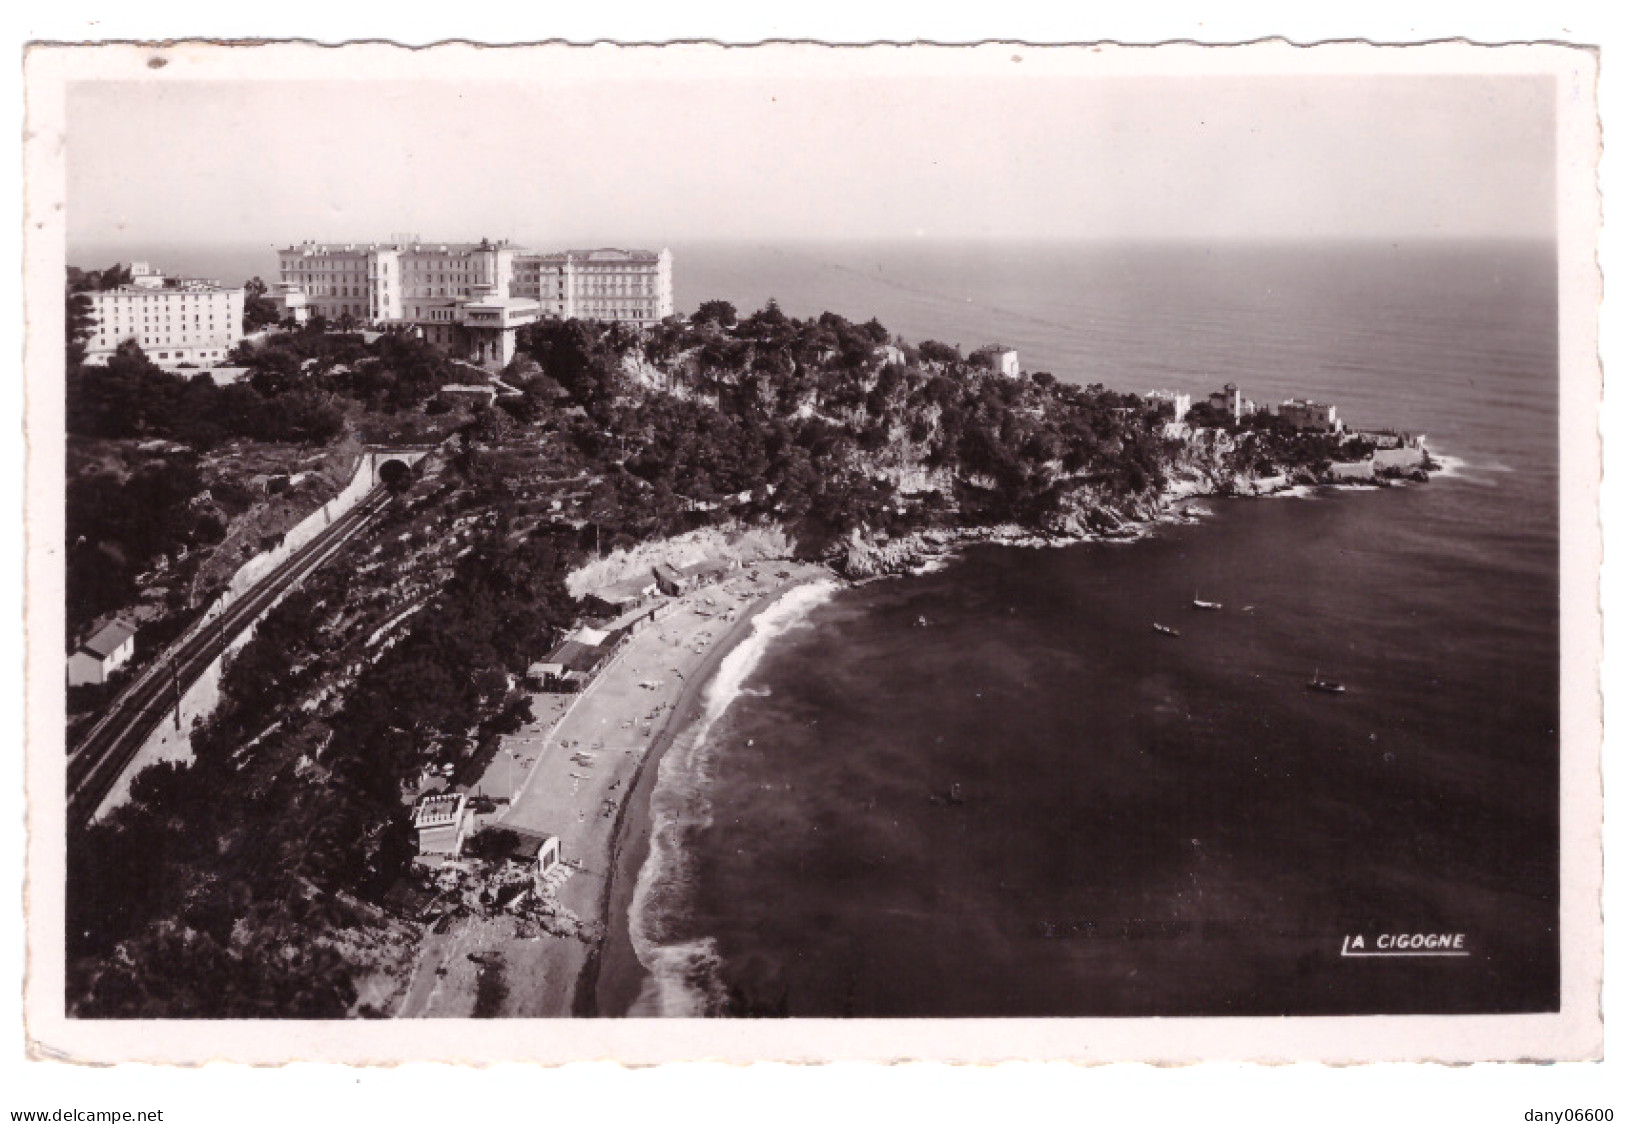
(538, 851)
(569, 666)
(618, 597)
(708, 571)
(672, 581)
(104, 652)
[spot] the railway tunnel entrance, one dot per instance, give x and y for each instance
(395, 467)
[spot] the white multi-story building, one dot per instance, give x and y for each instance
(176, 322)
(470, 298)
(619, 286)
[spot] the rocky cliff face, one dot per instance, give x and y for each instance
(1088, 511)
(858, 558)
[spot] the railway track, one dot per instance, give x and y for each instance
(95, 765)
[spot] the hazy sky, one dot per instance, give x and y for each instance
(657, 162)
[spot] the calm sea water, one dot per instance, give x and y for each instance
(1148, 825)
(1154, 825)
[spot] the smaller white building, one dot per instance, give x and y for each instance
(442, 824)
(291, 302)
(1179, 403)
(108, 649)
(1004, 361)
(143, 275)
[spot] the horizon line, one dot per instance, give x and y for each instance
(902, 239)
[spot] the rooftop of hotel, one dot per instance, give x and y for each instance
(171, 286)
(418, 246)
(605, 255)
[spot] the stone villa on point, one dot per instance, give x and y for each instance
(1309, 414)
(106, 650)
(470, 298)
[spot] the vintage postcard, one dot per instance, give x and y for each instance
(805, 552)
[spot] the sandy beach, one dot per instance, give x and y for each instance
(584, 770)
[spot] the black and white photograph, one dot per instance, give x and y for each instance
(907, 536)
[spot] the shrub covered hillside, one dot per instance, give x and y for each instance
(828, 426)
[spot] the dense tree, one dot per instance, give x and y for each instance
(718, 312)
(259, 310)
(92, 280)
(79, 322)
(133, 397)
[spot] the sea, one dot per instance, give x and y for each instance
(993, 789)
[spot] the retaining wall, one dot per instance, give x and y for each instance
(1398, 458)
(364, 480)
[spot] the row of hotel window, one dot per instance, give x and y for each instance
(590, 312)
(109, 339)
(174, 353)
(317, 290)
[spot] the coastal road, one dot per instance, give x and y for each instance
(100, 759)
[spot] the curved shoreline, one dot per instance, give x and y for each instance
(612, 976)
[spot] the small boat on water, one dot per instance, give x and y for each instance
(1330, 686)
(1198, 603)
(1164, 629)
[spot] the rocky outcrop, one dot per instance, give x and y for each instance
(859, 559)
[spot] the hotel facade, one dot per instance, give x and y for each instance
(176, 322)
(470, 298)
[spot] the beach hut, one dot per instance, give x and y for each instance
(672, 581)
(569, 665)
(618, 597)
(538, 851)
(707, 571)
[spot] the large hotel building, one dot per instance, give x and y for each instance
(470, 298)
(176, 322)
